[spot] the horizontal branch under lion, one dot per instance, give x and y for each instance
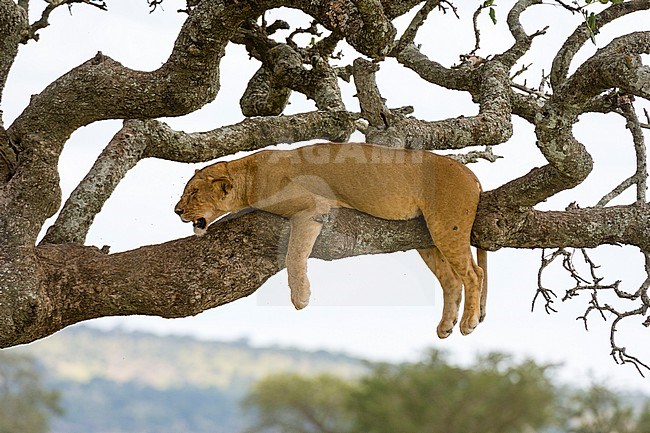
(80, 282)
(574, 228)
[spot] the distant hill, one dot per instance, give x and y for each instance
(118, 381)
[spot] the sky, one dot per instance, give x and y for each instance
(377, 307)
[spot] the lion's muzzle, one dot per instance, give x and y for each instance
(200, 224)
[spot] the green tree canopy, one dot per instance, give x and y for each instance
(494, 394)
(298, 404)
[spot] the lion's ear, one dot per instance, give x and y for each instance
(222, 183)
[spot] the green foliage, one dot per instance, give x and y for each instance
(430, 396)
(25, 405)
(133, 382)
(590, 17)
(434, 396)
(493, 13)
(296, 404)
(601, 410)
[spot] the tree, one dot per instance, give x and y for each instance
(494, 394)
(601, 410)
(25, 405)
(298, 404)
(50, 283)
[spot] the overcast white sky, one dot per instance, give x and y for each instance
(380, 307)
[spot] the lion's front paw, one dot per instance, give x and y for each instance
(300, 299)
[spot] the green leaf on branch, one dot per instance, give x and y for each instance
(590, 21)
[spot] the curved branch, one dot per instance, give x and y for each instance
(409, 34)
(188, 80)
(13, 25)
(460, 78)
(572, 45)
(616, 65)
(283, 70)
(152, 139)
(523, 41)
(490, 127)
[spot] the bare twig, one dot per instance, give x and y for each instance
(420, 17)
(546, 293)
(153, 4)
(523, 40)
(641, 175)
(537, 93)
(571, 8)
(523, 69)
(53, 4)
(477, 32)
(593, 285)
(311, 30)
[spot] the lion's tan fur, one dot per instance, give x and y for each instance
(305, 183)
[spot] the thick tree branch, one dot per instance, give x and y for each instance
(563, 58)
(177, 278)
(263, 97)
(618, 65)
(461, 78)
(13, 25)
(381, 121)
(491, 126)
(578, 228)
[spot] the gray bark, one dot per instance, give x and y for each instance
(47, 287)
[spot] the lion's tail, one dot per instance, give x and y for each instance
(481, 258)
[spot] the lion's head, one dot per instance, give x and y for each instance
(206, 198)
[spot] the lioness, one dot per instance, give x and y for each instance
(397, 184)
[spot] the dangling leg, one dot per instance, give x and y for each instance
(461, 261)
(450, 233)
(451, 289)
(481, 259)
(304, 231)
